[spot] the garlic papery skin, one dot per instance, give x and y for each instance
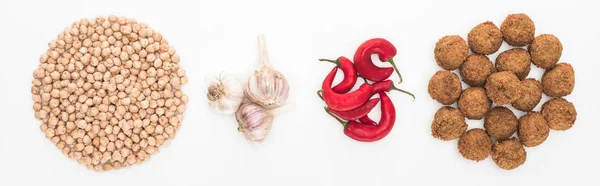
(267, 87)
(225, 94)
(254, 121)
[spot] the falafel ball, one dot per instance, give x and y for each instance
(444, 87)
(545, 50)
(533, 129)
(450, 52)
(473, 103)
(475, 145)
(559, 81)
(475, 70)
(559, 113)
(485, 38)
(500, 123)
(516, 60)
(531, 94)
(518, 30)
(448, 124)
(503, 87)
(509, 154)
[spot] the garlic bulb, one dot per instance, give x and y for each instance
(254, 121)
(225, 94)
(267, 87)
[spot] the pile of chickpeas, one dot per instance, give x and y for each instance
(108, 92)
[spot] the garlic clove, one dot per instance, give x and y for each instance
(267, 86)
(225, 94)
(254, 122)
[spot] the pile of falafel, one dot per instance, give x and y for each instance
(494, 85)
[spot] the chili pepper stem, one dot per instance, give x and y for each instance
(403, 91)
(391, 61)
(336, 118)
(320, 94)
(336, 62)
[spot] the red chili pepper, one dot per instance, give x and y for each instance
(378, 87)
(371, 133)
(365, 120)
(349, 74)
(356, 113)
(364, 65)
(348, 101)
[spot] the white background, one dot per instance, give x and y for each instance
(306, 146)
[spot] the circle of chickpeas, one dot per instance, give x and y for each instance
(108, 92)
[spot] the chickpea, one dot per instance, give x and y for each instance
(107, 167)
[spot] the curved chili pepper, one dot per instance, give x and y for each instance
(364, 65)
(381, 86)
(350, 75)
(344, 102)
(356, 113)
(365, 120)
(371, 133)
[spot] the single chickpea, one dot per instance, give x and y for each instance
(107, 167)
(153, 104)
(116, 156)
(142, 155)
(175, 59)
(150, 48)
(110, 147)
(157, 36)
(160, 72)
(61, 129)
(121, 136)
(38, 107)
(79, 147)
(181, 108)
(175, 82)
(151, 149)
(164, 46)
(112, 137)
(87, 139)
(77, 155)
(88, 162)
(66, 150)
(173, 121)
(157, 62)
(150, 41)
(55, 139)
(112, 18)
(61, 145)
(136, 28)
(119, 144)
(126, 29)
(69, 140)
(131, 159)
(169, 129)
(128, 142)
(104, 141)
(124, 56)
(150, 129)
(88, 149)
(134, 36)
(178, 94)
